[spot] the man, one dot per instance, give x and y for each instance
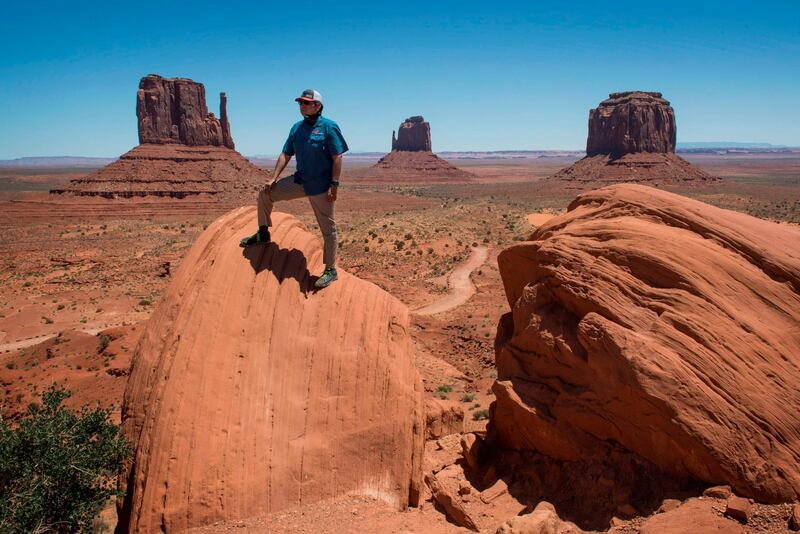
(318, 144)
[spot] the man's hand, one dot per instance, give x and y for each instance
(332, 193)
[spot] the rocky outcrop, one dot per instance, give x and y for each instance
(631, 140)
(411, 159)
(185, 150)
(646, 168)
(414, 135)
(173, 110)
(658, 325)
(249, 392)
(176, 171)
(411, 167)
(629, 122)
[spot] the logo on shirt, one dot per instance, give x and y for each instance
(316, 131)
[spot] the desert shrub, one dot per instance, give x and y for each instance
(447, 388)
(104, 341)
(467, 397)
(480, 415)
(398, 245)
(57, 467)
(144, 302)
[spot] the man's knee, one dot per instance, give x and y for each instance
(266, 193)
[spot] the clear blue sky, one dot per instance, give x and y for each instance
(487, 75)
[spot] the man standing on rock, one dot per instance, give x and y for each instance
(319, 145)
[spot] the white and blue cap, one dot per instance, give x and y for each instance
(309, 95)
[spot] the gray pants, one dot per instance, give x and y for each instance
(286, 189)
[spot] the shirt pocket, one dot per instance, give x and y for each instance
(317, 141)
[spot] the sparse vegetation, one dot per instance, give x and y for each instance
(480, 415)
(104, 341)
(57, 467)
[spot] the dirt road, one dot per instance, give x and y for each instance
(459, 283)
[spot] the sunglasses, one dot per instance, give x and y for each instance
(305, 102)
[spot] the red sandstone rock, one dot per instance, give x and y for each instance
(645, 168)
(443, 417)
(225, 125)
(738, 508)
(543, 520)
(173, 171)
(694, 516)
(249, 392)
(664, 325)
(471, 449)
(631, 140)
(402, 166)
(450, 503)
(794, 520)
(173, 110)
(185, 150)
(629, 122)
(718, 492)
(414, 135)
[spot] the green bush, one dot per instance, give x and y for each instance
(480, 415)
(104, 342)
(57, 467)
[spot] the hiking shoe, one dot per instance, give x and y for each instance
(326, 279)
(255, 239)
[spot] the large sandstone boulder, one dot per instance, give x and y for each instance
(656, 323)
(173, 110)
(414, 135)
(249, 392)
(632, 121)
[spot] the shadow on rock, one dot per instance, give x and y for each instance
(283, 263)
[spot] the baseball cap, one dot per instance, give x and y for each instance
(309, 95)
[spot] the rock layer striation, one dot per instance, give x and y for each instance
(250, 393)
(173, 110)
(659, 324)
(630, 122)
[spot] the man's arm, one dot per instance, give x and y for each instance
(283, 160)
(337, 173)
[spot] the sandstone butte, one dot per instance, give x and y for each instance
(662, 325)
(411, 159)
(631, 139)
(184, 150)
(249, 392)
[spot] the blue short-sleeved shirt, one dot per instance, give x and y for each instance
(314, 146)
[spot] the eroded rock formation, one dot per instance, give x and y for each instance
(184, 150)
(650, 323)
(629, 122)
(414, 135)
(403, 166)
(411, 159)
(249, 392)
(173, 110)
(631, 140)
